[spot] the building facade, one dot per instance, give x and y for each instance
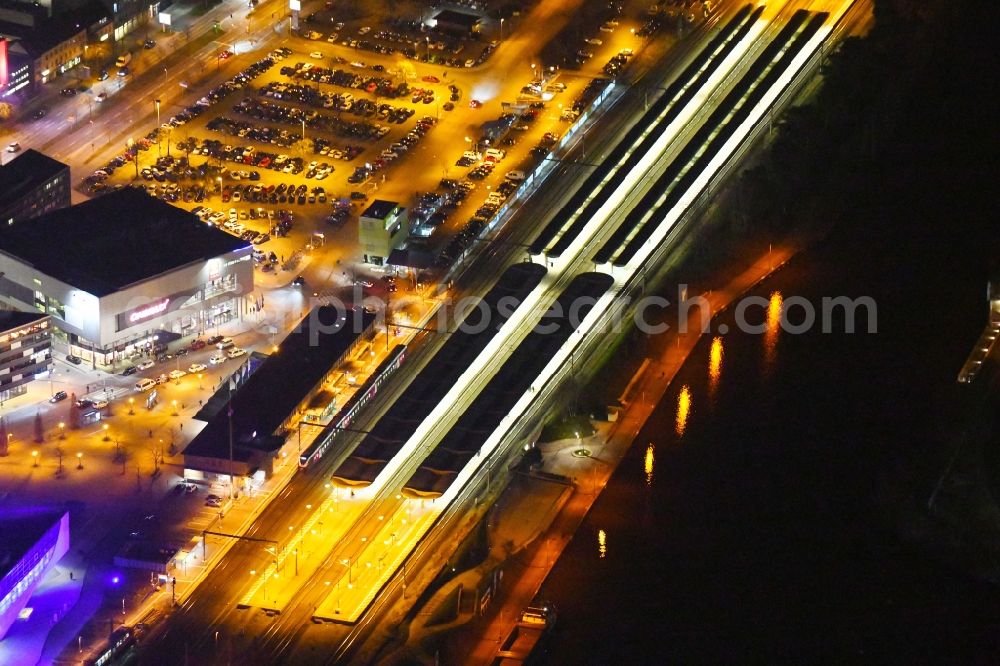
(382, 228)
(25, 350)
(131, 271)
(30, 185)
(34, 540)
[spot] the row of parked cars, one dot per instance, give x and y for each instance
(284, 114)
(617, 63)
(393, 152)
(237, 82)
(371, 83)
(246, 130)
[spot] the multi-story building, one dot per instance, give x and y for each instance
(34, 540)
(128, 270)
(382, 228)
(25, 350)
(48, 39)
(30, 185)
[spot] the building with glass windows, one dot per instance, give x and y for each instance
(33, 541)
(32, 184)
(25, 350)
(382, 228)
(123, 272)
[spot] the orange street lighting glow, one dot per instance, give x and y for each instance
(683, 409)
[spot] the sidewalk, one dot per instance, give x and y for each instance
(526, 573)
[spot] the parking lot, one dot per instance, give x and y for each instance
(289, 150)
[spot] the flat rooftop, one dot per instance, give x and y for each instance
(278, 386)
(20, 530)
(24, 173)
(380, 209)
(10, 319)
(109, 243)
(457, 18)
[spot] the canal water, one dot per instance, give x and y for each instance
(757, 518)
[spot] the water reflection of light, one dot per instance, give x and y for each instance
(602, 544)
(648, 464)
(683, 409)
(715, 362)
(774, 306)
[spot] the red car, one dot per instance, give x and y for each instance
(475, 104)
(197, 344)
(431, 79)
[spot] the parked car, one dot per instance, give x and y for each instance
(177, 374)
(144, 384)
(195, 368)
(236, 352)
(225, 343)
(145, 365)
(75, 360)
(218, 359)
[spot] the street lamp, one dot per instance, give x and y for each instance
(501, 29)
(62, 430)
(173, 404)
(106, 437)
(34, 456)
(131, 403)
(79, 460)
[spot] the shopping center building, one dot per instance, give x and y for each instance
(123, 272)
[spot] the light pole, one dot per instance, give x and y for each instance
(159, 148)
(62, 430)
(34, 456)
(131, 406)
(106, 437)
(501, 29)
(79, 460)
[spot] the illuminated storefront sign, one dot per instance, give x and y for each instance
(149, 311)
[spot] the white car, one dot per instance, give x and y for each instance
(593, 41)
(225, 343)
(13, 147)
(145, 365)
(358, 64)
(516, 176)
(218, 359)
(195, 368)
(177, 374)
(236, 352)
(316, 54)
(144, 384)
(101, 404)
